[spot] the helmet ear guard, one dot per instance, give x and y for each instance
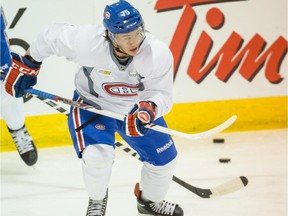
(111, 36)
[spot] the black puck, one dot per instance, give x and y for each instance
(224, 160)
(218, 140)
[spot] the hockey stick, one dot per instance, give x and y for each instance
(117, 116)
(52, 104)
(228, 187)
(220, 190)
(117, 144)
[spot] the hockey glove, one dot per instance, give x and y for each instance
(146, 111)
(22, 75)
(134, 122)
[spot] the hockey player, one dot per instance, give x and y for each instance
(122, 69)
(12, 108)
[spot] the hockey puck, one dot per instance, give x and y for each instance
(224, 160)
(218, 140)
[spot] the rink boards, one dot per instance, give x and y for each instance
(253, 114)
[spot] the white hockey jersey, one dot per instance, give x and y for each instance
(100, 79)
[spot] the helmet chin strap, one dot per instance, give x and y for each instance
(115, 46)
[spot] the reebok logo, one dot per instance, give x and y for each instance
(165, 147)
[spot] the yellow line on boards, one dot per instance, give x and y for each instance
(253, 114)
(46, 130)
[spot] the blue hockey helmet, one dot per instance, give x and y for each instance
(121, 18)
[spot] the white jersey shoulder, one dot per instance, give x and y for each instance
(76, 43)
(155, 55)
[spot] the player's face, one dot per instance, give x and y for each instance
(130, 42)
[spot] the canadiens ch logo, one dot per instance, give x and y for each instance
(100, 126)
(120, 89)
(107, 15)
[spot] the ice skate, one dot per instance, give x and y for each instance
(25, 145)
(163, 208)
(96, 207)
